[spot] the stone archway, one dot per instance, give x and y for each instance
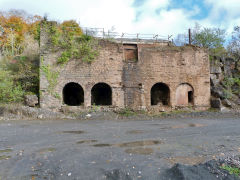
(73, 94)
(184, 95)
(160, 94)
(101, 94)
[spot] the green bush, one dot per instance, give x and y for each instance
(9, 90)
(51, 75)
(65, 56)
(73, 42)
(25, 71)
(231, 170)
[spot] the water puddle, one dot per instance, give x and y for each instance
(179, 126)
(87, 141)
(142, 151)
(5, 150)
(102, 145)
(73, 132)
(196, 125)
(4, 157)
(187, 125)
(135, 132)
(131, 144)
(139, 143)
(186, 160)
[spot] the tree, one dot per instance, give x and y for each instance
(14, 25)
(210, 38)
(234, 45)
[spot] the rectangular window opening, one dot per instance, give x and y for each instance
(130, 52)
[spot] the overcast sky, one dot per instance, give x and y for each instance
(164, 17)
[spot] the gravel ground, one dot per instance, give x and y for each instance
(137, 147)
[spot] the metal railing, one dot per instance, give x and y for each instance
(101, 33)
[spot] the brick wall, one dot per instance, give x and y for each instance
(130, 81)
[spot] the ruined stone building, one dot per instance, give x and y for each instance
(137, 75)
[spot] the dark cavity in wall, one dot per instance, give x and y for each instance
(101, 94)
(190, 97)
(160, 94)
(73, 94)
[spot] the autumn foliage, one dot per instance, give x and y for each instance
(19, 51)
(14, 26)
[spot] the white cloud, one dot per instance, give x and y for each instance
(224, 14)
(165, 23)
(155, 17)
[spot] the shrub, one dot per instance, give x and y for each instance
(9, 91)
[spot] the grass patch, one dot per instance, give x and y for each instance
(212, 110)
(5, 150)
(127, 112)
(231, 170)
(4, 157)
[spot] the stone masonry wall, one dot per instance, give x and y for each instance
(130, 81)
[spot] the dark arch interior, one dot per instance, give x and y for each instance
(73, 94)
(160, 94)
(190, 97)
(101, 94)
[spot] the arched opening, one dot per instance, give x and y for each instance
(184, 95)
(101, 94)
(160, 94)
(73, 94)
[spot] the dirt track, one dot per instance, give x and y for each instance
(112, 149)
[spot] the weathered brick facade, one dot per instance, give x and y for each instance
(139, 76)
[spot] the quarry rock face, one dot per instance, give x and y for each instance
(224, 78)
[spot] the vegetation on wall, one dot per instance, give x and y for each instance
(69, 38)
(51, 75)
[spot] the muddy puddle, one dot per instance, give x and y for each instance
(187, 125)
(102, 145)
(87, 141)
(142, 151)
(73, 132)
(186, 160)
(179, 126)
(196, 125)
(139, 143)
(132, 144)
(135, 132)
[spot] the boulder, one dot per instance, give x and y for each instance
(227, 103)
(218, 91)
(216, 103)
(31, 100)
(215, 67)
(214, 80)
